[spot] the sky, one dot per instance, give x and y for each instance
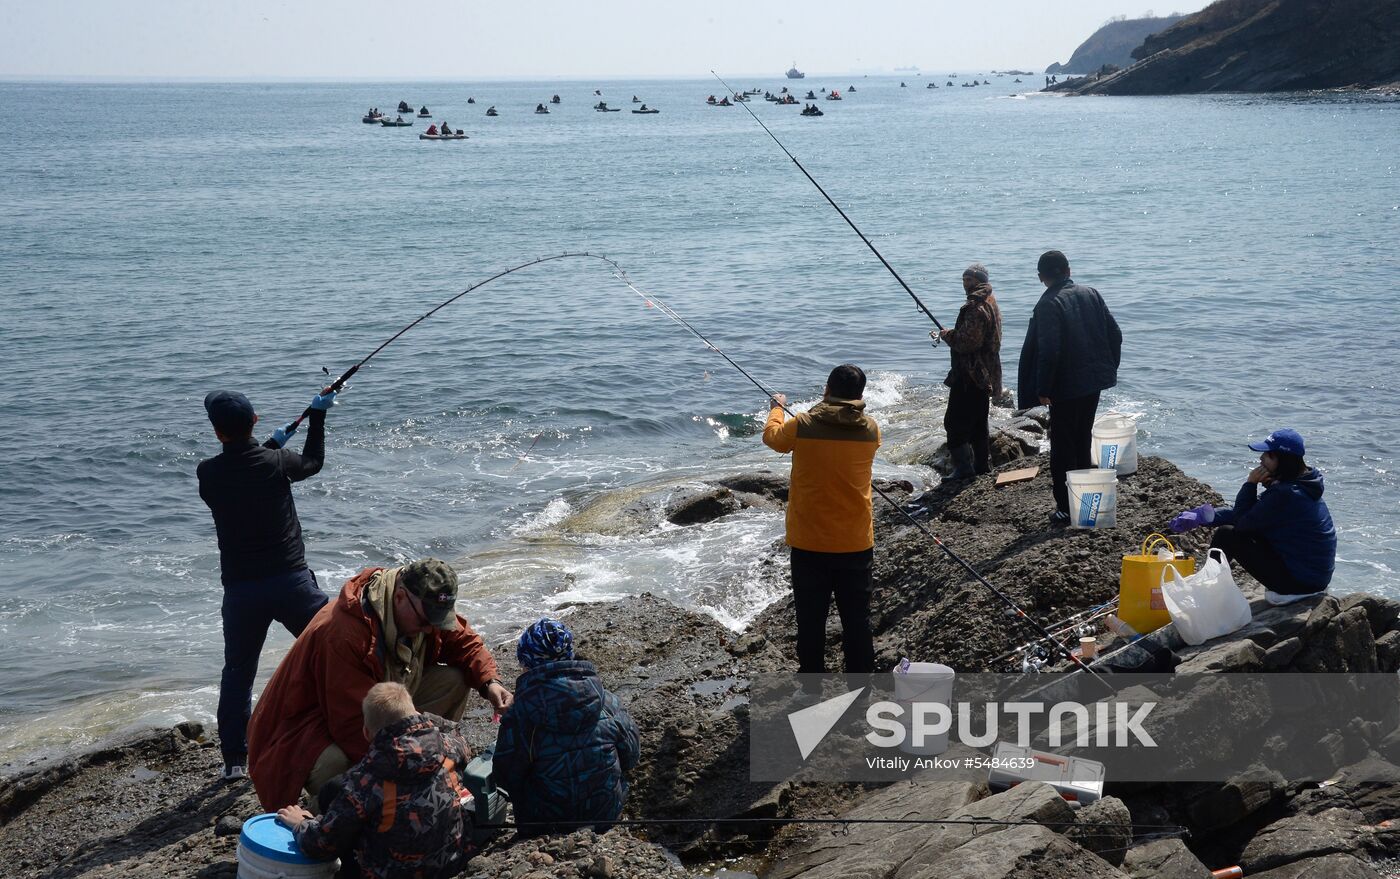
(461, 40)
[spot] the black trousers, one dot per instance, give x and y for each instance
(249, 608)
(965, 422)
(816, 577)
(1071, 439)
(1257, 556)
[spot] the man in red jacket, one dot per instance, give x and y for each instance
(387, 624)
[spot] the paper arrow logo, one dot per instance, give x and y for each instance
(811, 725)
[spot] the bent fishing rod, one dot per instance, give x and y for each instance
(772, 395)
(345, 376)
(831, 201)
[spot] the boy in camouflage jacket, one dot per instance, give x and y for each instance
(399, 810)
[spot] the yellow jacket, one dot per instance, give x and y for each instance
(833, 449)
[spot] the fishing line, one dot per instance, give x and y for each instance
(832, 202)
(345, 376)
(1016, 610)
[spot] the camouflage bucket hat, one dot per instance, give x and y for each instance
(435, 584)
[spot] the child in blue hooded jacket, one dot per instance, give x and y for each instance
(566, 744)
(1285, 537)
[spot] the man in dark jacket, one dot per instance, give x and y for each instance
(398, 811)
(1284, 538)
(975, 376)
(1072, 350)
(248, 489)
(566, 744)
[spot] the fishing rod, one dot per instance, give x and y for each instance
(917, 301)
(345, 376)
(1012, 606)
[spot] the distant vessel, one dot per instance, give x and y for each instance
(794, 73)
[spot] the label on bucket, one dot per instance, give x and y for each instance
(1157, 602)
(1108, 456)
(1089, 508)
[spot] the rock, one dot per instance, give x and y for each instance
(1264, 47)
(1014, 853)
(1224, 656)
(1105, 828)
(1343, 643)
(1328, 867)
(601, 867)
(228, 825)
(705, 506)
(766, 485)
(1237, 799)
(1163, 859)
(1381, 612)
(1388, 652)
(1009, 444)
(1300, 838)
(1281, 654)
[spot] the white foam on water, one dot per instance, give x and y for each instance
(554, 512)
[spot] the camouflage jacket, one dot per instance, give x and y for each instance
(401, 808)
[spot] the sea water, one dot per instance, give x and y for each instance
(160, 241)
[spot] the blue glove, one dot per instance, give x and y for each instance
(282, 434)
(322, 402)
(1192, 518)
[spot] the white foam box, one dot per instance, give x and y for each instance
(1078, 780)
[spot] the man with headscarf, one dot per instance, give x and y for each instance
(387, 624)
(566, 744)
(1072, 350)
(975, 376)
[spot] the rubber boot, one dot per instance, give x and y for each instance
(962, 462)
(982, 455)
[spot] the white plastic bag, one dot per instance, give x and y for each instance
(1206, 604)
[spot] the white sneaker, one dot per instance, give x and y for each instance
(234, 772)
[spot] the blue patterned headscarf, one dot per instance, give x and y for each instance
(546, 641)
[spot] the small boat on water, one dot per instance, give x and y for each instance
(404, 107)
(932, 85)
(646, 111)
(724, 102)
(903, 86)
(834, 96)
(811, 95)
(636, 100)
(1018, 79)
(396, 123)
(541, 108)
(604, 108)
(371, 118)
(812, 110)
(442, 137)
(424, 114)
(471, 100)
(555, 100)
(794, 73)
(491, 111)
(851, 89)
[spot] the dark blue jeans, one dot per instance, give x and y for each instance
(250, 607)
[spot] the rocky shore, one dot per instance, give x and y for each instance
(150, 805)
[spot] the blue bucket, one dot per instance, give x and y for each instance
(268, 850)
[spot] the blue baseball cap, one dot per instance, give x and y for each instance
(229, 412)
(1283, 440)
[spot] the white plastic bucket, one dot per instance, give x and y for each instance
(1093, 498)
(267, 850)
(1114, 445)
(922, 684)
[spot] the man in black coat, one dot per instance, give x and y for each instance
(1072, 350)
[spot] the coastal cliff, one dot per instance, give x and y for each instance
(151, 805)
(1263, 46)
(1113, 44)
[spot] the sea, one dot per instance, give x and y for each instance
(158, 241)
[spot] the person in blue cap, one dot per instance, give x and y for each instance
(1285, 537)
(566, 744)
(262, 558)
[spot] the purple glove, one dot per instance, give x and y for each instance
(1192, 518)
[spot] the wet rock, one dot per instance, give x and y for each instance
(693, 508)
(1341, 643)
(1388, 652)
(1163, 859)
(1381, 612)
(765, 485)
(1225, 657)
(1009, 444)
(1015, 853)
(1281, 654)
(1105, 828)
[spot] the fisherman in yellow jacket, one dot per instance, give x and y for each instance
(829, 526)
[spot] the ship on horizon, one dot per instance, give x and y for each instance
(794, 73)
